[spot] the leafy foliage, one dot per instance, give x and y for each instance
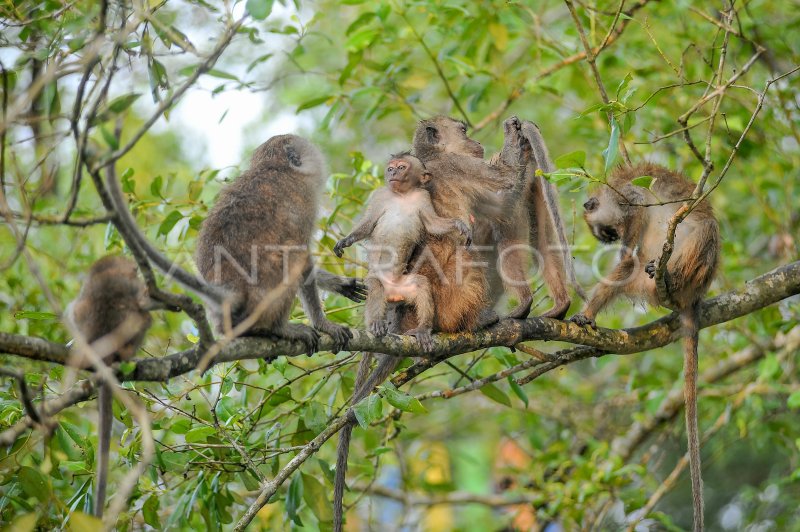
(359, 75)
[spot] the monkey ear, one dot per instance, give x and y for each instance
(425, 178)
(433, 134)
(292, 155)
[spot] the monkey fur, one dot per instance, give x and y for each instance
(398, 215)
(254, 244)
(459, 186)
(112, 301)
(617, 213)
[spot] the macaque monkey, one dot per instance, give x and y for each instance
(254, 244)
(618, 213)
(457, 160)
(265, 217)
(112, 304)
(397, 218)
(459, 186)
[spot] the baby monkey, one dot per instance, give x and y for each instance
(397, 218)
(113, 304)
(638, 218)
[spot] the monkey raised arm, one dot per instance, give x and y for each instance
(436, 225)
(366, 225)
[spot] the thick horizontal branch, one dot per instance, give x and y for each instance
(754, 295)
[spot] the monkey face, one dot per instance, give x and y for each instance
(405, 173)
(604, 218)
(451, 136)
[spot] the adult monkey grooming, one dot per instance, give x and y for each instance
(254, 245)
(112, 304)
(457, 300)
(617, 212)
(443, 146)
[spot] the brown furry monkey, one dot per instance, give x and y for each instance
(458, 288)
(617, 213)
(397, 217)
(443, 145)
(113, 303)
(254, 244)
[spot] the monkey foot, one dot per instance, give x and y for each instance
(424, 338)
(558, 311)
(379, 328)
(487, 318)
(650, 268)
(341, 335)
(583, 320)
(521, 311)
(301, 333)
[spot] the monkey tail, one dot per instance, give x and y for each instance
(689, 321)
(343, 446)
(104, 400)
(545, 164)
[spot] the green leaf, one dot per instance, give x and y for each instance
(259, 9)
(368, 410)
(315, 417)
(200, 434)
(643, 181)
(624, 84)
(169, 222)
(220, 74)
(81, 522)
(33, 483)
(111, 140)
(794, 400)
(316, 497)
(181, 426)
(313, 103)
(150, 512)
(155, 185)
(573, 159)
(32, 315)
(119, 104)
(517, 389)
(610, 153)
(402, 401)
(23, 523)
(495, 394)
(280, 397)
(293, 499)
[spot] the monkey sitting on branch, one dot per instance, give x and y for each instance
(112, 305)
(254, 244)
(638, 217)
(398, 216)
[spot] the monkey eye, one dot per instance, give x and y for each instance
(591, 205)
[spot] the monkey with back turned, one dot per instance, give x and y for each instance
(618, 213)
(113, 302)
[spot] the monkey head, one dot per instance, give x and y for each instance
(404, 172)
(296, 153)
(444, 134)
(608, 212)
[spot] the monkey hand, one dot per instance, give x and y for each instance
(379, 328)
(582, 320)
(352, 288)
(650, 268)
(424, 338)
(338, 249)
(465, 231)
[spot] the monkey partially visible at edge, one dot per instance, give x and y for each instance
(618, 213)
(112, 305)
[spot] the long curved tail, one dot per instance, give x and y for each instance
(104, 400)
(545, 164)
(362, 386)
(689, 321)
